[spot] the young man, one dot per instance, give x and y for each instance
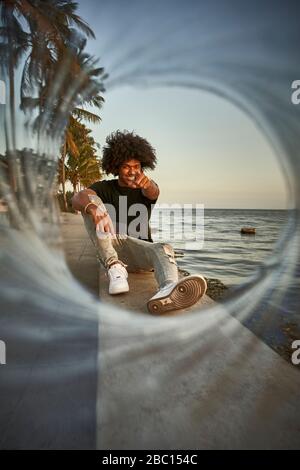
(123, 239)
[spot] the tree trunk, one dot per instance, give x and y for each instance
(11, 144)
(63, 176)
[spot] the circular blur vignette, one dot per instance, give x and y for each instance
(89, 375)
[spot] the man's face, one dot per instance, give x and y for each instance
(129, 171)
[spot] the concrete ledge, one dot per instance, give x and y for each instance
(142, 286)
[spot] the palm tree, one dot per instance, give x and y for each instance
(88, 79)
(83, 171)
(89, 93)
(53, 52)
(44, 34)
(84, 167)
(48, 27)
(14, 43)
(70, 147)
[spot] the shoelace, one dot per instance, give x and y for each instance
(116, 272)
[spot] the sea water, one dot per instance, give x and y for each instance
(83, 374)
(225, 254)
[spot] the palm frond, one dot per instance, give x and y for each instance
(71, 145)
(88, 116)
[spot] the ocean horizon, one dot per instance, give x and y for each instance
(224, 253)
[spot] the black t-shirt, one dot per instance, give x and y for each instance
(128, 208)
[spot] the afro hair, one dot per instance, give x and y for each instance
(123, 146)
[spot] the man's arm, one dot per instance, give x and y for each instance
(149, 188)
(98, 213)
(151, 191)
(81, 199)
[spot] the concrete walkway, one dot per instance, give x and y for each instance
(216, 387)
(80, 252)
(81, 258)
(141, 288)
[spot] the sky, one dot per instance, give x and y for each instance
(209, 151)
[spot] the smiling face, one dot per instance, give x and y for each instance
(128, 171)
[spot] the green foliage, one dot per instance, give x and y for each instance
(47, 38)
(59, 80)
(83, 166)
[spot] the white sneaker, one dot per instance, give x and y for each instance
(117, 279)
(182, 294)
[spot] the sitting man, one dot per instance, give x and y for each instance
(123, 240)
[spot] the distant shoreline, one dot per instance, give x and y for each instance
(224, 209)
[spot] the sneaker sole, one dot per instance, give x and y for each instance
(119, 291)
(186, 293)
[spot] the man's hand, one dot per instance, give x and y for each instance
(149, 187)
(101, 219)
(141, 181)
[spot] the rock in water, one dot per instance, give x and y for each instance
(248, 231)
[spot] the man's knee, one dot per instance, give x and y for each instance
(168, 252)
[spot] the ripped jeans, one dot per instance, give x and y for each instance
(135, 254)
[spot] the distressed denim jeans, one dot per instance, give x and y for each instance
(137, 255)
